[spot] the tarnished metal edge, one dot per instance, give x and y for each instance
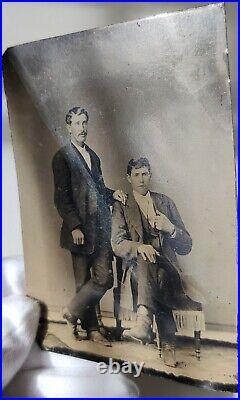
(216, 386)
(98, 29)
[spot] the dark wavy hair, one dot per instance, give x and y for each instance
(77, 111)
(138, 163)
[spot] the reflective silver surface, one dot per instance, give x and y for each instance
(157, 87)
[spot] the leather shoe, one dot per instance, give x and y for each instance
(72, 323)
(97, 337)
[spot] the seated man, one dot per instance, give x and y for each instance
(147, 232)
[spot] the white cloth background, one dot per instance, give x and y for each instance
(31, 372)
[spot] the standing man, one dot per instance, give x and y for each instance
(147, 232)
(83, 201)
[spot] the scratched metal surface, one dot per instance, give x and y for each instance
(157, 87)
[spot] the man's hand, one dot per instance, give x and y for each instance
(162, 223)
(120, 196)
(78, 236)
(148, 252)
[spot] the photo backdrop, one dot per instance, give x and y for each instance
(158, 88)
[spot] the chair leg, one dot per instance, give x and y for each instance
(99, 314)
(159, 344)
(118, 330)
(197, 338)
(118, 323)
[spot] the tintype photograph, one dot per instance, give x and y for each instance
(124, 152)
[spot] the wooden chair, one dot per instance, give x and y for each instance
(193, 322)
(187, 321)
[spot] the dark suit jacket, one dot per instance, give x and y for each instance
(127, 230)
(127, 234)
(81, 198)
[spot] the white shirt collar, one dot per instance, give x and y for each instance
(85, 154)
(80, 148)
(140, 196)
(145, 204)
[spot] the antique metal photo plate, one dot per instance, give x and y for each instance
(123, 145)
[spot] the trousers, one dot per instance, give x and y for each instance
(150, 282)
(93, 277)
